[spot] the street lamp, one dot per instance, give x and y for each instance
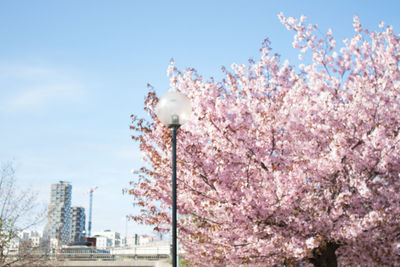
(173, 110)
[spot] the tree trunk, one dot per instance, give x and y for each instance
(324, 256)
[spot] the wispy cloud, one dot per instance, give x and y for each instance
(40, 96)
(27, 88)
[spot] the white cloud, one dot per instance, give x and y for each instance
(27, 88)
(35, 97)
(18, 71)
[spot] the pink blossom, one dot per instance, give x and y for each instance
(281, 162)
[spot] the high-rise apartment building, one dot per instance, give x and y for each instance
(77, 228)
(58, 218)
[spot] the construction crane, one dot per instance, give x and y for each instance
(90, 192)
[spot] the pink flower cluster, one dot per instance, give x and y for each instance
(282, 164)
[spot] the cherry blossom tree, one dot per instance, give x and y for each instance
(284, 164)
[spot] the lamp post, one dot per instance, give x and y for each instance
(173, 110)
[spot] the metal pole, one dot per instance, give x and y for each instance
(90, 213)
(174, 239)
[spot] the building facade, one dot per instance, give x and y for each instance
(77, 225)
(103, 242)
(33, 237)
(58, 218)
(115, 237)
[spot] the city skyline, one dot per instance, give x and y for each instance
(62, 214)
(72, 73)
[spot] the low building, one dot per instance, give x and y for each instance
(103, 242)
(115, 237)
(54, 243)
(145, 239)
(35, 241)
(130, 241)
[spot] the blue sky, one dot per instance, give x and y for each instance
(72, 72)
